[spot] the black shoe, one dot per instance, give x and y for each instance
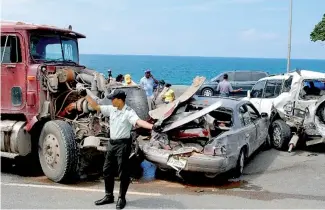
(121, 202)
(106, 200)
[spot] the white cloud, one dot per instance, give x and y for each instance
(253, 34)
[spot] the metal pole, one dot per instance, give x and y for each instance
(289, 39)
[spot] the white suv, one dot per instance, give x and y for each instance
(295, 102)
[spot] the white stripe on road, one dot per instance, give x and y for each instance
(75, 188)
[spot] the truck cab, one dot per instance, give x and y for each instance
(24, 49)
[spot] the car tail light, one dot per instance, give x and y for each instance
(218, 150)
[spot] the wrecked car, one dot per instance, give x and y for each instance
(295, 102)
(211, 135)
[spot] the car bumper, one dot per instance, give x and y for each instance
(196, 162)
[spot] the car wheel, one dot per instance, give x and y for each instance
(207, 92)
(240, 163)
(58, 151)
(281, 134)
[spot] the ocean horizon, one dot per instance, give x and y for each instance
(181, 70)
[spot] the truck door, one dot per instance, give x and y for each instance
(13, 73)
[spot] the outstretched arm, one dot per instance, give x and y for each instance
(144, 124)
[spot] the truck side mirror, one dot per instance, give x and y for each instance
(248, 94)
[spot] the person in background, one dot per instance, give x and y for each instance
(147, 83)
(122, 119)
(128, 80)
(169, 95)
(119, 78)
(224, 87)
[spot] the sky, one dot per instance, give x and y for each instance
(218, 28)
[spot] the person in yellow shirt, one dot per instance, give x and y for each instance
(128, 80)
(169, 95)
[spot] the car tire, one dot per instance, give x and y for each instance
(238, 171)
(58, 152)
(280, 135)
(207, 92)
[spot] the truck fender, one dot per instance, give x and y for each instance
(30, 124)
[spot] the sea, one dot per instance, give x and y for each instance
(180, 70)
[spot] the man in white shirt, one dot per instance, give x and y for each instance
(121, 120)
(147, 83)
(224, 87)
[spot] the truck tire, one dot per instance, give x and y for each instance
(280, 135)
(58, 151)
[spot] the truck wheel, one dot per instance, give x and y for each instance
(280, 135)
(58, 151)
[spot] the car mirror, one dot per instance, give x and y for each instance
(248, 94)
(264, 115)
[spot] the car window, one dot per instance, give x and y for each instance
(258, 75)
(243, 76)
(244, 116)
(254, 114)
(273, 88)
(312, 89)
(10, 49)
(287, 84)
(257, 90)
(218, 77)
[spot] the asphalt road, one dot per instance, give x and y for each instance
(271, 179)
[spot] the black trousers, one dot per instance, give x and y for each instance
(117, 157)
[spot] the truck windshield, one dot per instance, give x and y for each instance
(53, 48)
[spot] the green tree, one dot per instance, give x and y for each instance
(318, 34)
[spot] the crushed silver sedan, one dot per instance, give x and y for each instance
(210, 135)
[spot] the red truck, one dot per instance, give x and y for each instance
(42, 110)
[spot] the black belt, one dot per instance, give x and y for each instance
(120, 141)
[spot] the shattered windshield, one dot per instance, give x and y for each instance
(313, 89)
(53, 48)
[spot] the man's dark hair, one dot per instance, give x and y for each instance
(168, 85)
(120, 94)
(225, 76)
(119, 78)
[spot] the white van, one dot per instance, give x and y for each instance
(295, 102)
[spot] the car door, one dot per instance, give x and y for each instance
(248, 130)
(257, 94)
(261, 126)
(272, 90)
(13, 73)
